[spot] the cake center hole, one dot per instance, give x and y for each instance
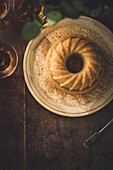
(4, 60)
(74, 63)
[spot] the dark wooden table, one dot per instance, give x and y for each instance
(33, 138)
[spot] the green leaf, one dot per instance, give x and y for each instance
(54, 16)
(106, 7)
(31, 30)
(97, 11)
(37, 22)
(109, 3)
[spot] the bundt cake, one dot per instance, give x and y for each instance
(68, 67)
(74, 63)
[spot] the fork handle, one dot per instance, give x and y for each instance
(91, 140)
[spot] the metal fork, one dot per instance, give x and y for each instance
(91, 140)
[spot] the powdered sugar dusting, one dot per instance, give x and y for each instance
(85, 101)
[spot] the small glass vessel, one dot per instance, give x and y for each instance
(8, 59)
(5, 13)
(26, 12)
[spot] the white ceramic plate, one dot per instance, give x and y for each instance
(47, 101)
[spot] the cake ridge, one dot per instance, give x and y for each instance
(86, 58)
(62, 48)
(94, 71)
(75, 83)
(61, 77)
(83, 44)
(83, 81)
(76, 44)
(60, 58)
(68, 81)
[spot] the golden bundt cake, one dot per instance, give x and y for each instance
(74, 63)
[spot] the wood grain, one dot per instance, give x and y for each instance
(56, 142)
(32, 138)
(12, 107)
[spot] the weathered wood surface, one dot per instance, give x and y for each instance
(55, 142)
(32, 138)
(12, 106)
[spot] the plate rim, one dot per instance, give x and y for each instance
(87, 113)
